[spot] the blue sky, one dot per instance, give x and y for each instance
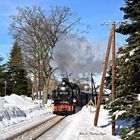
(92, 12)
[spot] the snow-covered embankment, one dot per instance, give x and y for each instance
(14, 109)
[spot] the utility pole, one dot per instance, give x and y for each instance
(111, 41)
(103, 80)
(113, 73)
(92, 88)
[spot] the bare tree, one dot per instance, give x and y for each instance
(38, 34)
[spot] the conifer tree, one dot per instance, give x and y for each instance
(1, 77)
(128, 71)
(18, 81)
(16, 61)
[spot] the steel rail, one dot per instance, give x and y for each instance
(39, 129)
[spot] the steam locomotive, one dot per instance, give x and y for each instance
(65, 97)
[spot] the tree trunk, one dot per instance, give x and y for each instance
(46, 91)
(45, 95)
(34, 87)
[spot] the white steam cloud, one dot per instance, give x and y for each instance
(78, 55)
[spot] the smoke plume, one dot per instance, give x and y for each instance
(78, 55)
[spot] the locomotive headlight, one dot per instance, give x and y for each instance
(74, 100)
(63, 83)
(63, 88)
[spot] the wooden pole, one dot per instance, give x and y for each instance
(103, 79)
(92, 88)
(113, 74)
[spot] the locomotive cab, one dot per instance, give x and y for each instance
(65, 98)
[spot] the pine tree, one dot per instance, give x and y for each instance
(1, 68)
(2, 77)
(128, 71)
(18, 81)
(16, 60)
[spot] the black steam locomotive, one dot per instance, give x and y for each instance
(65, 97)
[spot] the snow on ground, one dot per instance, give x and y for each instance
(82, 126)
(16, 111)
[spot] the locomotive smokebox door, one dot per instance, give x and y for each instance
(66, 80)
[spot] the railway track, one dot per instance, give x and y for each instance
(34, 132)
